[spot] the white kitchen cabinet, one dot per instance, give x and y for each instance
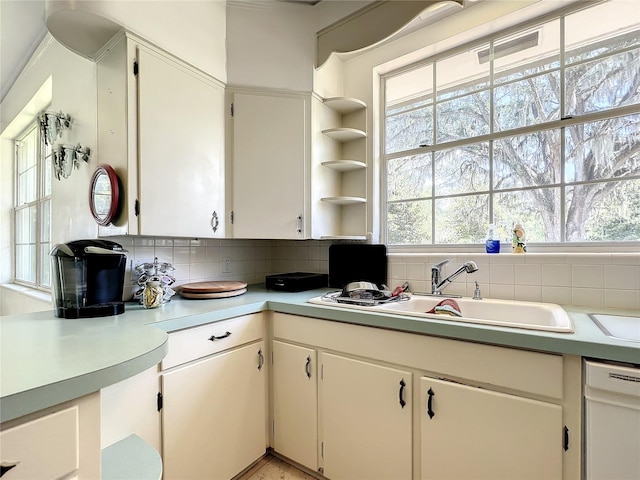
(339, 168)
(214, 415)
(161, 126)
(59, 442)
(366, 417)
(295, 403)
(473, 433)
(270, 165)
(500, 413)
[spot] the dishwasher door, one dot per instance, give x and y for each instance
(612, 422)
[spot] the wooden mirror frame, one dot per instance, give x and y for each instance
(114, 203)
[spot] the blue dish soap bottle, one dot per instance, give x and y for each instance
(492, 242)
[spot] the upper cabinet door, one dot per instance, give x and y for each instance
(270, 156)
(181, 149)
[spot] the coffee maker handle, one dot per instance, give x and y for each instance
(103, 251)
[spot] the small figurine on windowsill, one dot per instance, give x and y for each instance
(518, 239)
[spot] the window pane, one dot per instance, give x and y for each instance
(462, 170)
(462, 219)
(463, 117)
(26, 225)
(27, 151)
(48, 166)
(27, 186)
(45, 216)
(45, 265)
(610, 19)
(604, 83)
(603, 212)
(409, 177)
(461, 74)
(537, 210)
(605, 149)
(410, 129)
(527, 52)
(409, 223)
(527, 102)
(527, 160)
(26, 263)
(409, 105)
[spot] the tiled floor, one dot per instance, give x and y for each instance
(272, 468)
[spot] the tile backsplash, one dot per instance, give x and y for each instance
(585, 279)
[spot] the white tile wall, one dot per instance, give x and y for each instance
(585, 279)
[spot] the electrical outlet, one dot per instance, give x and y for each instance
(226, 265)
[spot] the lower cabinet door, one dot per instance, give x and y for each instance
(473, 433)
(366, 420)
(295, 403)
(214, 415)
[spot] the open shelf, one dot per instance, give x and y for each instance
(344, 134)
(344, 165)
(344, 104)
(343, 237)
(342, 200)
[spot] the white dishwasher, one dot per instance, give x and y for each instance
(612, 421)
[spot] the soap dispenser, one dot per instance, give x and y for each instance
(492, 242)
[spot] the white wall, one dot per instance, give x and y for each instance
(73, 92)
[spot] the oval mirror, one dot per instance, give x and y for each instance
(104, 195)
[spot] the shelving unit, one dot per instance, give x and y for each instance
(339, 168)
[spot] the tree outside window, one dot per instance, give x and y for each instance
(522, 127)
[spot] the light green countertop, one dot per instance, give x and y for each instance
(47, 360)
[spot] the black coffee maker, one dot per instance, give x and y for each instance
(88, 278)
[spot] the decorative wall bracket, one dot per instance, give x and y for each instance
(65, 157)
(52, 125)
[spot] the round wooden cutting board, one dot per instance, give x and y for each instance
(231, 293)
(218, 286)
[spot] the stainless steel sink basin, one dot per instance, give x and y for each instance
(503, 313)
(618, 326)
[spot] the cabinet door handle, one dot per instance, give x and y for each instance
(213, 338)
(299, 223)
(401, 393)
(430, 411)
(214, 221)
(260, 359)
(307, 367)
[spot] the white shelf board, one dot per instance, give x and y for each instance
(341, 200)
(344, 134)
(344, 104)
(343, 237)
(344, 165)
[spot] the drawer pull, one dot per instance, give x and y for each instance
(213, 338)
(260, 359)
(430, 411)
(307, 367)
(401, 393)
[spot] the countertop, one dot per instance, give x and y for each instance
(47, 360)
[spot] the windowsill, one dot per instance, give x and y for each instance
(532, 248)
(27, 291)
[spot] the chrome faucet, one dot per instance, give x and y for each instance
(437, 285)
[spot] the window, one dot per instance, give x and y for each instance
(33, 209)
(540, 125)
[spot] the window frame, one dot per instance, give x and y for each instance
(43, 177)
(495, 134)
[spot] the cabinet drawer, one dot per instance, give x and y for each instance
(193, 343)
(45, 448)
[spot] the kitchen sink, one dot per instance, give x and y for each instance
(503, 313)
(618, 326)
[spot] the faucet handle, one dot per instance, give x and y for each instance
(438, 266)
